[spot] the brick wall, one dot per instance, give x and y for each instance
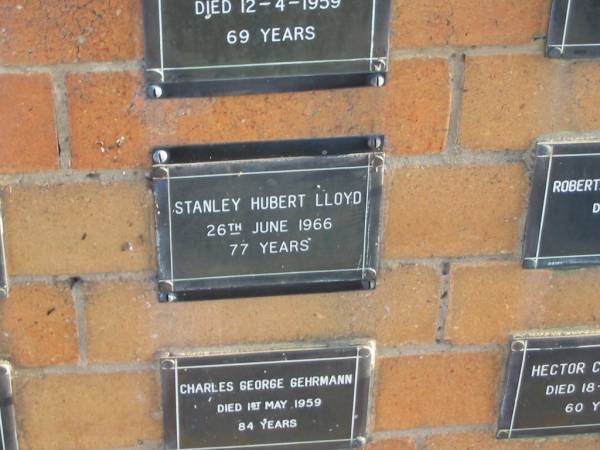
(469, 91)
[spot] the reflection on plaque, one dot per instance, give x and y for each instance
(552, 387)
(311, 399)
(217, 47)
(564, 212)
(3, 271)
(8, 430)
(574, 30)
(268, 218)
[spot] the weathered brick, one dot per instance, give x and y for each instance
(27, 128)
(55, 31)
(114, 125)
(394, 444)
(126, 323)
(511, 99)
(489, 302)
(108, 410)
(479, 441)
(437, 390)
(79, 228)
(454, 211)
(437, 23)
(38, 325)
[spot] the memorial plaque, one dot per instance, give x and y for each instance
(8, 430)
(267, 218)
(563, 221)
(574, 30)
(552, 387)
(312, 399)
(3, 271)
(218, 47)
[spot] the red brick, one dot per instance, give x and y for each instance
(454, 211)
(56, 31)
(480, 441)
(114, 125)
(394, 444)
(437, 390)
(27, 128)
(126, 323)
(92, 411)
(492, 301)
(437, 23)
(38, 325)
(79, 228)
(512, 99)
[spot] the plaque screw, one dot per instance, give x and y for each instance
(375, 143)
(377, 80)
(155, 91)
(361, 441)
(555, 52)
(171, 297)
(167, 364)
(517, 346)
(379, 65)
(160, 156)
(502, 434)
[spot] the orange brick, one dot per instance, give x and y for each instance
(38, 325)
(114, 125)
(479, 441)
(437, 23)
(27, 130)
(492, 301)
(107, 410)
(453, 211)
(125, 322)
(511, 99)
(79, 228)
(55, 31)
(394, 444)
(437, 390)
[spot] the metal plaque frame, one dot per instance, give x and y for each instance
(362, 155)
(178, 366)
(562, 43)
(232, 78)
(4, 286)
(549, 154)
(522, 348)
(8, 423)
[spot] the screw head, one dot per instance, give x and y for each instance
(375, 142)
(377, 80)
(167, 364)
(155, 91)
(171, 297)
(517, 346)
(379, 65)
(555, 52)
(160, 156)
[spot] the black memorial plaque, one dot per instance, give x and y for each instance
(312, 399)
(574, 30)
(3, 271)
(266, 218)
(8, 429)
(563, 223)
(218, 47)
(552, 387)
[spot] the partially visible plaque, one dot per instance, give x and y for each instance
(552, 387)
(574, 30)
(307, 399)
(563, 221)
(266, 218)
(218, 47)
(8, 429)
(3, 271)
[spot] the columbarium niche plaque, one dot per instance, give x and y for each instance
(574, 30)
(268, 218)
(311, 399)
(552, 387)
(8, 430)
(563, 222)
(217, 47)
